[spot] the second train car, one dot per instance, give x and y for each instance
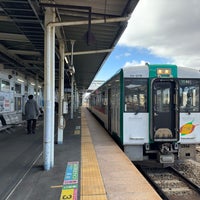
(153, 110)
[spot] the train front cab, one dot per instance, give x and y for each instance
(151, 128)
(175, 113)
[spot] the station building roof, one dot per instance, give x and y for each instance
(22, 34)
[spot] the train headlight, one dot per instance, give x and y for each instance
(163, 71)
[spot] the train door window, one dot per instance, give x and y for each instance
(103, 101)
(99, 100)
(91, 100)
(189, 95)
(163, 99)
(26, 89)
(103, 98)
(18, 88)
(135, 95)
(18, 103)
(5, 86)
(95, 101)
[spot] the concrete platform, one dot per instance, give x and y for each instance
(120, 177)
(22, 174)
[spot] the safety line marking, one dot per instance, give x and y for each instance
(56, 186)
(70, 183)
(76, 132)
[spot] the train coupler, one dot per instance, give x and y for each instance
(165, 158)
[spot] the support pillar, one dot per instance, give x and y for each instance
(36, 89)
(72, 96)
(49, 90)
(72, 80)
(61, 94)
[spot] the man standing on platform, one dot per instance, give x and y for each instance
(31, 112)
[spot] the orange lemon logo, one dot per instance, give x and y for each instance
(187, 128)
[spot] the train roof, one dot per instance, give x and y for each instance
(136, 71)
(185, 72)
(143, 71)
(139, 71)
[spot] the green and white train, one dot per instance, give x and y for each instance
(153, 111)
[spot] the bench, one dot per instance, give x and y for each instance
(3, 125)
(9, 120)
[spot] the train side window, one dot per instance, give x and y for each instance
(135, 91)
(103, 99)
(18, 88)
(5, 86)
(103, 102)
(189, 95)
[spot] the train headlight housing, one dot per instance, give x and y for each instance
(162, 71)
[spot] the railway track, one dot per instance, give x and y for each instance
(170, 184)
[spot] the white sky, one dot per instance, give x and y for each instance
(168, 28)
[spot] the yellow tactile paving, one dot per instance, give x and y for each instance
(76, 132)
(92, 187)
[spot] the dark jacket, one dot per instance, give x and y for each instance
(31, 109)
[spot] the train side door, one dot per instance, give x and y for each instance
(109, 110)
(165, 117)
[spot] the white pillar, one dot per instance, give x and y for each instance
(49, 90)
(72, 96)
(72, 80)
(61, 94)
(36, 89)
(52, 86)
(77, 99)
(75, 90)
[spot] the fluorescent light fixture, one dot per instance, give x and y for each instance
(66, 60)
(20, 80)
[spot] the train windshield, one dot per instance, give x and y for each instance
(189, 95)
(135, 94)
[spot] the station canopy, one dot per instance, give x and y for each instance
(22, 35)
